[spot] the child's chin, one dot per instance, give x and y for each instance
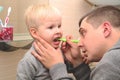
(56, 47)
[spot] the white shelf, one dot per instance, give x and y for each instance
(21, 37)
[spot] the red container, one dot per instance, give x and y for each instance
(6, 34)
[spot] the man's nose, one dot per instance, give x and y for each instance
(80, 43)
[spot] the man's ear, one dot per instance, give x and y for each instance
(107, 28)
(33, 32)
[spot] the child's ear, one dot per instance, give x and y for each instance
(33, 32)
(107, 28)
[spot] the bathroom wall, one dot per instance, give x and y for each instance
(72, 11)
(17, 13)
(22, 5)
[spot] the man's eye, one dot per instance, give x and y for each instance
(82, 33)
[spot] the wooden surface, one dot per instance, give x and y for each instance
(8, 63)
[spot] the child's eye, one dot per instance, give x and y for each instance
(51, 27)
(59, 26)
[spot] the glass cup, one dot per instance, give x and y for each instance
(6, 33)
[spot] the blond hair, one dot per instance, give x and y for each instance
(38, 12)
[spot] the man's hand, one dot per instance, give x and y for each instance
(46, 54)
(72, 52)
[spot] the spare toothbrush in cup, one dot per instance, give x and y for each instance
(1, 24)
(1, 8)
(7, 17)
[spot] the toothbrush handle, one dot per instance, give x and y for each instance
(75, 41)
(64, 40)
(6, 21)
(1, 23)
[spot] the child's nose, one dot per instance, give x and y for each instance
(58, 30)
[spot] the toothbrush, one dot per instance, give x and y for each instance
(64, 40)
(1, 23)
(1, 8)
(7, 17)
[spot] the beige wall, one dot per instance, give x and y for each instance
(22, 5)
(71, 10)
(17, 13)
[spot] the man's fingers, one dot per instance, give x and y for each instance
(43, 43)
(39, 49)
(69, 40)
(36, 55)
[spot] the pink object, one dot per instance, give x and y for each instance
(6, 34)
(7, 17)
(6, 21)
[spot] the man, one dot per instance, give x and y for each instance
(99, 40)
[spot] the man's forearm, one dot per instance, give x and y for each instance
(82, 72)
(59, 72)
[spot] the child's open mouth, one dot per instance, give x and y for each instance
(56, 39)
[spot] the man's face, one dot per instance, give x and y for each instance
(91, 41)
